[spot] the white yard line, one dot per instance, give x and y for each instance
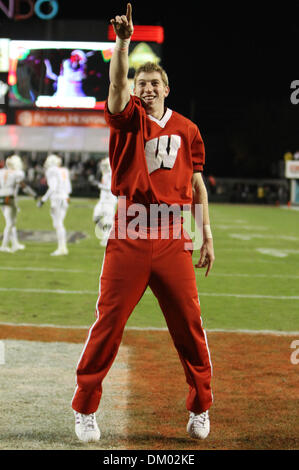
(91, 292)
(52, 270)
(266, 276)
(47, 291)
(154, 328)
(250, 296)
(62, 270)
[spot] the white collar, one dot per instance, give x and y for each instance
(162, 122)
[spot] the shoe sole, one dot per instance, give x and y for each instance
(194, 435)
(88, 438)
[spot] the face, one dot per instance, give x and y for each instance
(76, 61)
(152, 90)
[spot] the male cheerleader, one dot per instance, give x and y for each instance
(59, 190)
(156, 157)
(12, 178)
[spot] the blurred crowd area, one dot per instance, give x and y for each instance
(250, 191)
(85, 171)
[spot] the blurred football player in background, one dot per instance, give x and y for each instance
(12, 178)
(59, 190)
(104, 210)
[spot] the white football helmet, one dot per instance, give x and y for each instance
(105, 165)
(52, 160)
(14, 162)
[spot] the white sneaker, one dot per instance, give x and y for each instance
(17, 247)
(6, 249)
(60, 252)
(199, 425)
(86, 427)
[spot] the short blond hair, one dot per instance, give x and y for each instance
(151, 67)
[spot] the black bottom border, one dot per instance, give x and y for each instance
(148, 458)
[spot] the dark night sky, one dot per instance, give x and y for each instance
(230, 67)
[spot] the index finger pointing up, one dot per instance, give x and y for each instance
(129, 12)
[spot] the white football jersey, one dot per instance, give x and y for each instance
(106, 194)
(9, 181)
(58, 181)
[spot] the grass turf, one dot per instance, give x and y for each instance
(253, 284)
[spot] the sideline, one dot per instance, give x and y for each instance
(152, 328)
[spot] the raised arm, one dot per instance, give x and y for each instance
(119, 92)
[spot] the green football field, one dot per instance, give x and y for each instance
(253, 284)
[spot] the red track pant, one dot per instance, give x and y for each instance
(128, 268)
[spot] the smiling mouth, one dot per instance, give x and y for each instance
(148, 98)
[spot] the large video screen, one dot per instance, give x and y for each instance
(59, 74)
